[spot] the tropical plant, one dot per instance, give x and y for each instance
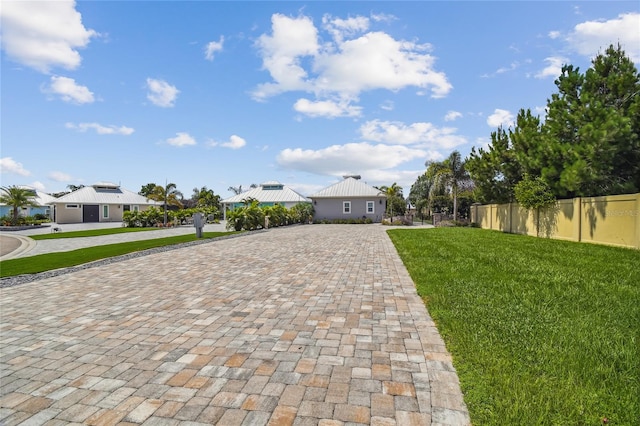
(396, 203)
(237, 190)
(451, 173)
(168, 195)
(302, 213)
(147, 189)
(420, 194)
(17, 198)
(72, 187)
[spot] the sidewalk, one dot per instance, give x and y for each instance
(14, 244)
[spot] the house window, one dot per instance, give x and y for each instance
(105, 212)
(370, 207)
(72, 206)
(136, 208)
(346, 207)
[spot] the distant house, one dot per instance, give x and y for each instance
(100, 202)
(42, 200)
(349, 199)
(268, 194)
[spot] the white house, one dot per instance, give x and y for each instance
(268, 194)
(100, 202)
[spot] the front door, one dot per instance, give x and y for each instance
(90, 213)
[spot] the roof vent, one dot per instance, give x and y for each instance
(351, 176)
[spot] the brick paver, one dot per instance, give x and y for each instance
(301, 325)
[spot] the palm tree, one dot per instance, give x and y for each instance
(72, 187)
(236, 189)
(17, 198)
(451, 173)
(205, 197)
(393, 192)
(168, 195)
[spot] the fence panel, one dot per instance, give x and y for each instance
(611, 220)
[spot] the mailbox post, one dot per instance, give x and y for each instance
(198, 222)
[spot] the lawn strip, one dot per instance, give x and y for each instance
(542, 331)
(50, 261)
(91, 233)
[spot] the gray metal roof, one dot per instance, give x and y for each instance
(349, 187)
(111, 195)
(43, 198)
(284, 195)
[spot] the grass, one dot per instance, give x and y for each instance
(50, 261)
(542, 332)
(90, 233)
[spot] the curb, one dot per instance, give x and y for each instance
(26, 244)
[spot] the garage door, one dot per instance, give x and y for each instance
(91, 213)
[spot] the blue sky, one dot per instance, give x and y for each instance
(222, 94)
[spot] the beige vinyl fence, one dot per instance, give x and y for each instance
(612, 220)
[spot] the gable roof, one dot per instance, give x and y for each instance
(349, 187)
(43, 198)
(104, 193)
(269, 192)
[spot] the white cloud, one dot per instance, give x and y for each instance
(100, 129)
(553, 68)
(329, 109)
(38, 185)
(452, 115)
(291, 40)
(424, 135)
(59, 176)
(213, 47)
(554, 34)
(341, 28)
(387, 105)
(161, 93)
(351, 63)
(234, 142)
(44, 34)
(181, 139)
(500, 117)
(483, 142)
(338, 160)
(69, 90)
(9, 165)
(591, 37)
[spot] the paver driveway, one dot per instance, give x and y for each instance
(317, 325)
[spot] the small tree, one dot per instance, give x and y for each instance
(17, 198)
(168, 195)
(533, 193)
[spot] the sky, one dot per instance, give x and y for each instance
(226, 94)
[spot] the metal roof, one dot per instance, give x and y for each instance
(112, 195)
(284, 195)
(43, 198)
(349, 187)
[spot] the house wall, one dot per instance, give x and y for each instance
(116, 211)
(28, 211)
(612, 220)
(332, 208)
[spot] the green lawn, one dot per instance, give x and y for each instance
(89, 233)
(542, 332)
(47, 262)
